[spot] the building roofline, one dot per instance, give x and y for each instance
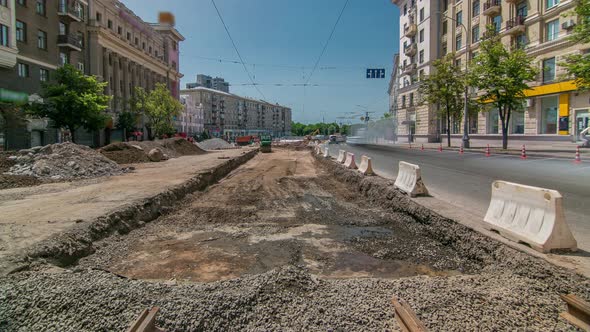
(200, 88)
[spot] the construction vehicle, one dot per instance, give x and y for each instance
(244, 140)
(265, 143)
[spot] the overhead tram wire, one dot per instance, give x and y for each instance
(237, 51)
(315, 66)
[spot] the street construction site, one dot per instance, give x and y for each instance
(234, 239)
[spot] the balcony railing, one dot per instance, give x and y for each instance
(491, 7)
(410, 50)
(515, 25)
(409, 69)
(72, 11)
(410, 31)
(69, 41)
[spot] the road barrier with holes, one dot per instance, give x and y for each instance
(326, 151)
(349, 162)
(146, 322)
(366, 166)
(531, 215)
(341, 156)
(409, 179)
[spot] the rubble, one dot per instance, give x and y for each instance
(138, 152)
(62, 161)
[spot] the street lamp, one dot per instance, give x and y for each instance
(466, 108)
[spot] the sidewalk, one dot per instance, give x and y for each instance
(536, 149)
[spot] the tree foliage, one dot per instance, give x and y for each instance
(445, 87)
(502, 75)
(74, 100)
(160, 108)
(578, 65)
(300, 129)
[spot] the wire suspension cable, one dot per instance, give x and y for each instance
(236, 49)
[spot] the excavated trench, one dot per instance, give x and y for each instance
(279, 209)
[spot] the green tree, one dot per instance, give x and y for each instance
(11, 116)
(445, 87)
(127, 121)
(74, 100)
(578, 65)
(502, 75)
(161, 108)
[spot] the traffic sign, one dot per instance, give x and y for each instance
(376, 73)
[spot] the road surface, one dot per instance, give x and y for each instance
(465, 180)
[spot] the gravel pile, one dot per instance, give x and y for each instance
(215, 144)
(62, 161)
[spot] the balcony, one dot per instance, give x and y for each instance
(410, 31)
(69, 41)
(410, 50)
(515, 25)
(491, 8)
(71, 12)
(409, 69)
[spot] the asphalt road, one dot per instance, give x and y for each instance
(465, 180)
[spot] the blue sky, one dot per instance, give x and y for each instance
(281, 40)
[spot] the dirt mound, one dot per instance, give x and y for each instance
(125, 153)
(137, 152)
(13, 181)
(62, 161)
(215, 144)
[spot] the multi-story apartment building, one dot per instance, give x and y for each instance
(99, 37)
(555, 110)
(190, 121)
(206, 81)
(228, 115)
(41, 36)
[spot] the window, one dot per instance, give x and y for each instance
(98, 17)
(497, 23)
(444, 27)
(22, 2)
(458, 42)
(128, 35)
(136, 41)
(81, 39)
(421, 14)
(109, 24)
(63, 28)
(552, 3)
(548, 70)
(4, 3)
(64, 58)
(42, 39)
(119, 30)
(411, 99)
(475, 8)
(521, 9)
(421, 57)
(80, 66)
(444, 49)
(143, 46)
(422, 35)
(549, 107)
(43, 75)
(406, 9)
(4, 33)
(23, 70)
(174, 46)
(552, 29)
(445, 5)
(421, 74)
(517, 122)
(459, 18)
(458, 63)
(40, 7)
(475, 34)
(492, 121)
(521, 40)
(21, 31)
(150, 50)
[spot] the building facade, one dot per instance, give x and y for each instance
(227, 115)
(554, 111)
(206, 81)
(99, 37)
(191, 120)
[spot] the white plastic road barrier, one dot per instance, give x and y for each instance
(318, 149)
(531, 215)
(349, 162)
(326, 152)
(366, 166)
(409, 179)
(341, 156)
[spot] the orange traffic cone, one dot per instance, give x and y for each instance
(578, 159)
(523, 152)
(488, 151)
(440, 148)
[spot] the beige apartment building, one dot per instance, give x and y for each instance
(555, 110)
(228, 115)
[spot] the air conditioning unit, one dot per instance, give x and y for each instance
(568, 25)
(530, 102)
